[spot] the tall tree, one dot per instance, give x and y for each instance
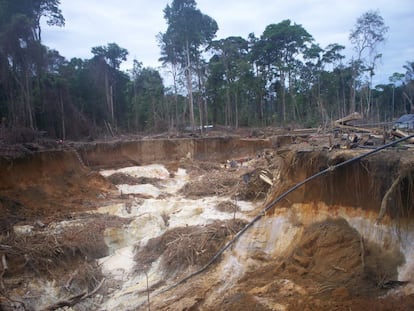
(111, 55)
(22, 54)
(231, 55)
(170, 56)
(396, 80)
(34, 10)
(368, 33)
(408, 92)
(188, 30)
(146, 110)
(280, 44)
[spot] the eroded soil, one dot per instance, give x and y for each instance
(61, 218)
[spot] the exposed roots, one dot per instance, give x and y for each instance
(218, 183)
(44, 253)
(398, 200)
(73, 300)
(186, 246)
(125, 179)
(385, 181)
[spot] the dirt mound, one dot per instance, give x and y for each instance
(125, 179)
(329, 268)
(185, 247)
(330, 250)
(333, 252)
(220, 183)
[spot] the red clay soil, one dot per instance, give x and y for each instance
(360, 184)
(325, 271)
(327, 266)
(48, 185)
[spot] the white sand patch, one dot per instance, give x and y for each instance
(163, 209)
(120, 264)
(148, 171)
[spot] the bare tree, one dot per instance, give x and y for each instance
(368, 33)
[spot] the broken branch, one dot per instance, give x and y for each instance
(387, 197)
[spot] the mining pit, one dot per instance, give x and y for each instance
(156, 225)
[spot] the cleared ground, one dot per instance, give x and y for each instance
(118, 226)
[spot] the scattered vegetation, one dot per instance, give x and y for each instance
(186, 247)
(41, 252)
(126, 179)
(227, 207)
(215, 183)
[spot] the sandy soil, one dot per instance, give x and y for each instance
(328, 266)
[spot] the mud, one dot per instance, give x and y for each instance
(66, 227)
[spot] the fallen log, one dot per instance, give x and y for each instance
(266, 177)
(357, 128)
(401, 134)
(351, 117)
(343, 124)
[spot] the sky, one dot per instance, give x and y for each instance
(134, 25)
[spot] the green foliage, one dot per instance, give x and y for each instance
(281, 78)
(188, 30)
(146, 93)
(112, 53)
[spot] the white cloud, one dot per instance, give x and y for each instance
(134, 24)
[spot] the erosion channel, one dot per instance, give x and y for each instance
(134, 225)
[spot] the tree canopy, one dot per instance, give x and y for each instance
(188, 30)
(281, 77)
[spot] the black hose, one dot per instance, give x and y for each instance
(278, 199)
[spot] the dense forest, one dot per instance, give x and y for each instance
(280, 78)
